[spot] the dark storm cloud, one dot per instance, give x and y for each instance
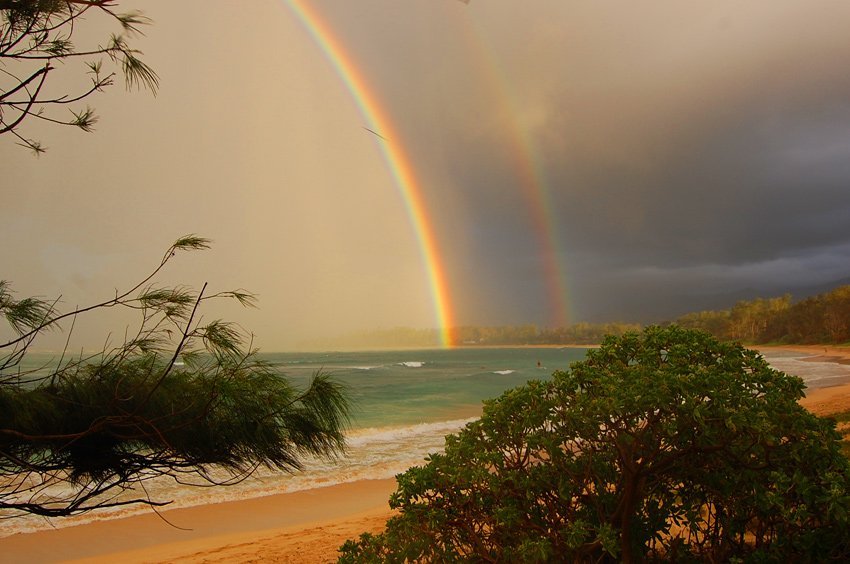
(743, 193)
(680, 176)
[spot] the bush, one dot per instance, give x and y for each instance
(664, 445)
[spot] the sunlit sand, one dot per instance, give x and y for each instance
(305, 526)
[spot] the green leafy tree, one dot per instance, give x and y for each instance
(37, 42)
(661, 445)
(178, 398)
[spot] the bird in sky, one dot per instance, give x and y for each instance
(373, 132)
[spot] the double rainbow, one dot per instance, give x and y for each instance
(404, 175)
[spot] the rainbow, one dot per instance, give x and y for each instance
(397, 159)
(533, 182)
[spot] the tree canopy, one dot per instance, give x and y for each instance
(37, 41)
(178, 398)
(823, 318)
(661, 445)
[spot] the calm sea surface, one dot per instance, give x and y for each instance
(406, 402)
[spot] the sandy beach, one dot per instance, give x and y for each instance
(821, 401)
(304, 527)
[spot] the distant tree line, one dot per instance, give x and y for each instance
(576, 334)
(471, 336)
(824, 318)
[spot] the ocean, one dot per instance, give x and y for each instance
(405, 404)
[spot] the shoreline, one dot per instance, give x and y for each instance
(306, 526)
(819, 353)
(826, 400)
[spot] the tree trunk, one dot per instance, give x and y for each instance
(631, 494)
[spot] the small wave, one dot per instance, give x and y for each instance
(504, 372)
(439, 429)
(372, 453)
(814, 374)
(412, 364)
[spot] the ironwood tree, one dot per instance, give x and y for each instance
(179, 399)
(37, 41)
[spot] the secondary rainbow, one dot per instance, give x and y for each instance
(397, 159)
(532, 179)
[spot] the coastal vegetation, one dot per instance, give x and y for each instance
(474, 336)
(178, 398)
(820, 319)
(576, 334)
(842, 420)
(661, 445)
(37, 44)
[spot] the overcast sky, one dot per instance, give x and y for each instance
(687, 152)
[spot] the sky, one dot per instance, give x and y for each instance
(576, 161)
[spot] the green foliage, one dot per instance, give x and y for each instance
(22, 315)
(664, 445)
(824, 318)
(36, 42)
(110, 419)
(843, 426)
(576, 334)
(82, 435)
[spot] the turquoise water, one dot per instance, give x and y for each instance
(392, 388)
(406, 402)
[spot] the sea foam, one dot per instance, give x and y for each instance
(371, 454)
(814, 373)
